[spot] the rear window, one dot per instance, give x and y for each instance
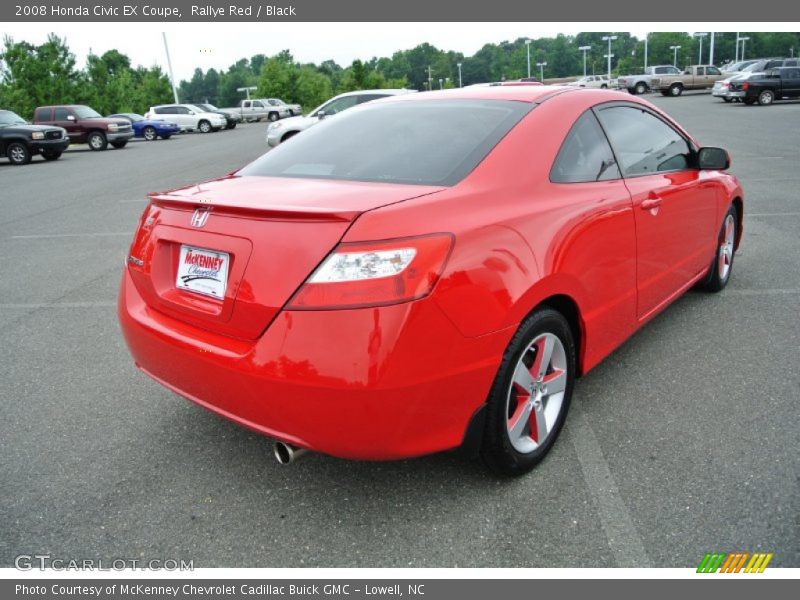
(437, 142)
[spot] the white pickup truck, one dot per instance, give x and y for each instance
(262, 108)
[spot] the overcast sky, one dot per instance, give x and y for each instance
(218, 45)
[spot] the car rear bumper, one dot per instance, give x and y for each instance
(372, 383)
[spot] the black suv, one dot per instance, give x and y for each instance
(20, 141)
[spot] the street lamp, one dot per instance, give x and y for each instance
(584, 49)
(528, 47)
(459, 76)
(609, 56)
(541, 66)
(743, 40)
(700, 56)
(736, 58)
(674, 55)
(440, 82)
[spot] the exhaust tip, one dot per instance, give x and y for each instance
(286, 454)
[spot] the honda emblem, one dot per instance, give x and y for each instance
(200, 217)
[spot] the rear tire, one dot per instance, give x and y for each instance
(766, 97)
(18, 153)
(727, 100)
(531, 393)
(640, 88)
(719, 273)
(273, 116)
(676, 89)
(97, 141)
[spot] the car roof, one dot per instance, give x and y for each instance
(519, 93)
(387, 92)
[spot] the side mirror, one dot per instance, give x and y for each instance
(71, 118)
(191, 112)
(713, 159)
(321, 114)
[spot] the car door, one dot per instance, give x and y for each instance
(790, 80)
(675, 204)
(66, 118)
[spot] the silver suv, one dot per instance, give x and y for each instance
(280, 131)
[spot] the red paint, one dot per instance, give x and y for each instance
(403, 379)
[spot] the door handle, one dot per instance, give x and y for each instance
(652, 201)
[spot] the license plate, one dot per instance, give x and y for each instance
(203, 271)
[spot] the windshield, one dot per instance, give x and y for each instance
(207, 107)
(132, 117)
(84, 112)
(10, 118)
(420, 142)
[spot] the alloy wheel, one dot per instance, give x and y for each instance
(726, 248)
(17, 154)
(536, 394)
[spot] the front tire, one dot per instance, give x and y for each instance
(150, 133)
(18, 153)
(204, 126)
(51, 154)
(97, 141)
(530, 396)
(676, 89)
(766, 97)
(719, 273)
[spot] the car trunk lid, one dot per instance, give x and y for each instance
(256, 238)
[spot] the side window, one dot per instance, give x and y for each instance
(369, 97)
(701, 70)
(42, 114)
(673, 70)
(336, 106)
(181, 110)
(245, 103)
(61, 114)
(713, 71)
(585, 154)
(644, 143)
(258, 104)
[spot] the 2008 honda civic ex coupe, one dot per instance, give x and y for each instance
(428, 271)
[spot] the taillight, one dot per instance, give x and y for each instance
(375, 273)
(745, 86)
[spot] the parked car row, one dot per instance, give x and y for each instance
(54, 128)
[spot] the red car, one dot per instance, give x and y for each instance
(429, 271)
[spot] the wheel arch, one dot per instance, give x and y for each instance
(567, 307)
(739, 204)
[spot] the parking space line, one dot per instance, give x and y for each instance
(41, 305)
(44, 236)
(764, 292)
(623, 539)
(783, 214)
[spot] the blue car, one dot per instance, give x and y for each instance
(147, 128)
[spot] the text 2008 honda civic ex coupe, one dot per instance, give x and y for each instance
(428, 271)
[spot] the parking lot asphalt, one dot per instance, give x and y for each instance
(684, 441)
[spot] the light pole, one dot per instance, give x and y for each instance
(736, 58)
(247, 90)
(584, 49)
(743, 40)
(541, 66)
(169, 65)
(440, 82)
(528, 47)
(674, 55)
(430, 79)
(700, 55)
(646, 35)
(711, 50)
(459, 76)
(609, 56)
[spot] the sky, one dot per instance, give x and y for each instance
(218, 45)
